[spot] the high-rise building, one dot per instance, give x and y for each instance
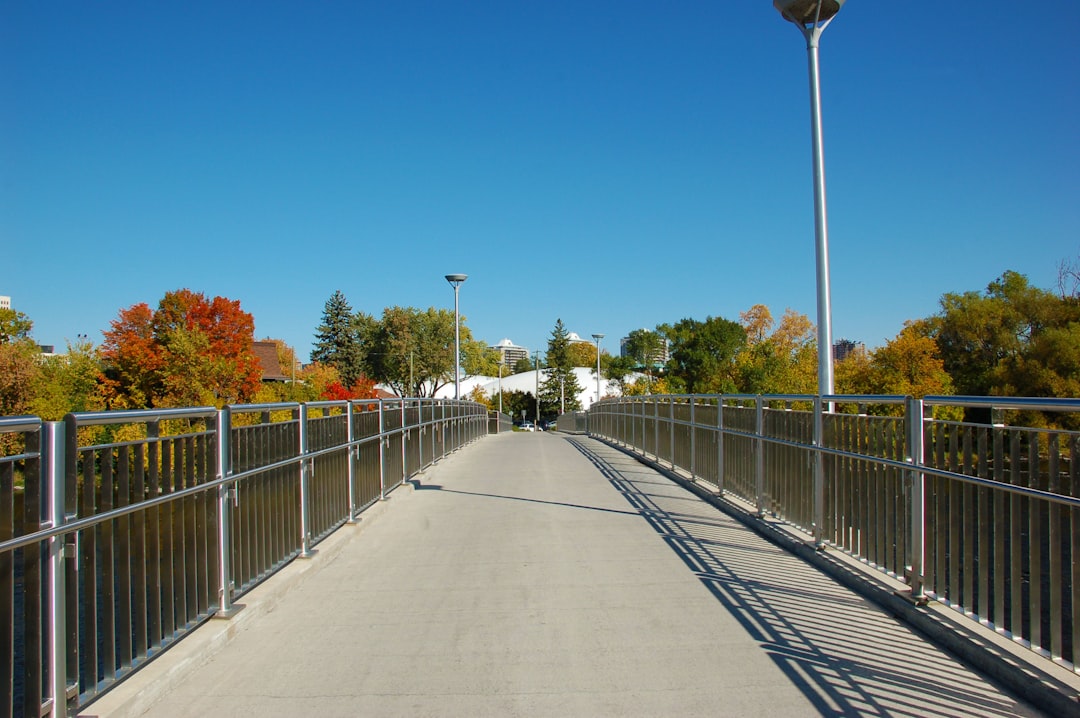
(5, 302)
(843, 348)
(511, 353)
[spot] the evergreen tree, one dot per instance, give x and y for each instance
(560, 388)
(337, 340)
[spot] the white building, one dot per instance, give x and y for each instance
(5, 302)
(511, 353)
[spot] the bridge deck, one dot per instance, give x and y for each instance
(541, 574)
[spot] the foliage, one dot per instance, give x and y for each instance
(780, 361)
(560, 389)
(703, 354)
(582, 354)
(14, 326)
(523, 365)
(516, 401)
(337, 339)
(1011, 340)
(412, 350)
(68, 383)
(18, 372)
(191, 351)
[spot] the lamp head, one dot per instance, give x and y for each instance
(808, 12)
(597, 337)
(456, 279)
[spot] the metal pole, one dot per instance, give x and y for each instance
(537, 355)
(457, 347)
(812, 18)
(598, 337)
(821, 230)
(455, 281)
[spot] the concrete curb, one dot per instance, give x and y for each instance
(983, 650)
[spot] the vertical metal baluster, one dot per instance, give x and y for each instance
(53, 448)
(305, 478)
(915, 415)
(1001, 525)
(759, 455)
(720, 444)
(226, 492)
(1035, 546)
(819, 474)
(1053, 533)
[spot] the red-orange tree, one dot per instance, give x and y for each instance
(190, 351)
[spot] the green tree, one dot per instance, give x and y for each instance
(338, 338)
(14, 326)
(560, 388)
(703, 354)
(1012, 339)
(523, 365)
(412, 350)
(68, 383)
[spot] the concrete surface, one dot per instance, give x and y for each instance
(535, 574)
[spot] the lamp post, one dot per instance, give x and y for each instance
(812, 17)
(501, 362)
(537, 355)
(455, 282)
(598, 337)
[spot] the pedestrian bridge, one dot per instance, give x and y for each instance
(410, 564)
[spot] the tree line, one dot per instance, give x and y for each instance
(1010, 339)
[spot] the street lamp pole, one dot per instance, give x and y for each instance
(455, 282)
(598, 337)
(537, 354)
(812, 17)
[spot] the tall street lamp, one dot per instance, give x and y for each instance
(812, 17)
(598, 337)
(455, 282)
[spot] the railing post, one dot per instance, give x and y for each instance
(819, 474)
(352, 456)
(420, 435)
(305, 475)
(759, 456)
(693, 440)
(382, 455)
(53, 448)
(404, 452)
(227, 496)
(917, 508)
(671, 431)
(720, 444)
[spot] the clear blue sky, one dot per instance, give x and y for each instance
(613, 164)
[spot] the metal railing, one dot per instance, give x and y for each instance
(983, 517)
(122, 531)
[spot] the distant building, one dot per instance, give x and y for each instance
(511, 354)
(575, 338)
(843, 348)
(5, 302)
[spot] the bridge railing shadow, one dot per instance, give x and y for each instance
(830, 643)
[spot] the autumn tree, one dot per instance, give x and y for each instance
(582, 354)
(776, 361)
(190, 351)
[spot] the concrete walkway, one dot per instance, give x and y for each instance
(549, 575)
